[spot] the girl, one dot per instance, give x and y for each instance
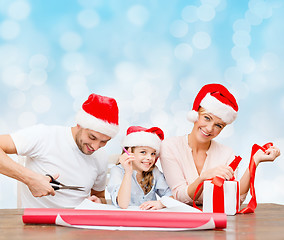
(136, 180)
(189, 160)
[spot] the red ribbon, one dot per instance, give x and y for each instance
(218, 192)
(218, 189)
(252, 167)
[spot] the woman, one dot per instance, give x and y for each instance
(189, 160)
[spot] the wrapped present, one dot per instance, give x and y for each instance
(221, 199)
(220, 196)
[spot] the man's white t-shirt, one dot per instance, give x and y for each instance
(51, 150)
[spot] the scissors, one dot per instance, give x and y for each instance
(62, 186)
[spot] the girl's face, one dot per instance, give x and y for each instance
(208, 126)
(144, 158)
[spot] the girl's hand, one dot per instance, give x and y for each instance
(223, 171)
(95, 199)
(126, 162)
(269, 155)
(151, 205)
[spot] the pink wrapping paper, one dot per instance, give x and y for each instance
(124, 219)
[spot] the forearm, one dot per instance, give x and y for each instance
(14, 170)
(192, 188)
(124, 193)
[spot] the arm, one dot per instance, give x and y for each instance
(98, 196)
(270, 155)
(37, 183)
(124, 193)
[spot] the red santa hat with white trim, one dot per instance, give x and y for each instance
(215, 99)
(140, 136)
(99, 113)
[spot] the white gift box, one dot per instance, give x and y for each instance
(231, 197)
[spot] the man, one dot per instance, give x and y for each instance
(68, 154)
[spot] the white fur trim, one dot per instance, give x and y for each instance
(142, 139)
(219, 109)
(86, 120)
(192, 116)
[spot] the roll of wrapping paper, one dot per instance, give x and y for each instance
(124, 218)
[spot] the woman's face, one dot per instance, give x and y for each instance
(208, 126)
(144, 158)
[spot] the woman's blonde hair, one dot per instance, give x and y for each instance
(147, 177)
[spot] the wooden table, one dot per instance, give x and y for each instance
(266, 223)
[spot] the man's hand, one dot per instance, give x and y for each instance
(39, 185)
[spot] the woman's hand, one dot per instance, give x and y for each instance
(268, 156)
(151, 205)
(223, 171)
(126, 162)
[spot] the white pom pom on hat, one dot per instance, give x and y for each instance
(215, 99)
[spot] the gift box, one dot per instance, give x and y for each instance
(221, 199)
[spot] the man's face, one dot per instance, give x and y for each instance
(88, 141)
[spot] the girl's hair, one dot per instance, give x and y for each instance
(147, 177)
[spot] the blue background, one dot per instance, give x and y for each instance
(153, 57)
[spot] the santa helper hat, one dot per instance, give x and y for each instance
(99, 113)
(140, 136)
(215, 99)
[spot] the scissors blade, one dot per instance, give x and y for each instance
(72, 188)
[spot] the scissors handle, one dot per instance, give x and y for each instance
(53, 180)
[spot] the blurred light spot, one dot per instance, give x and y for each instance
(143, 88)
(201, 40)
(189, 14)
(70, 41)
(88, 18)
(19, 10)
(233, 74)
(77, 86)
(140, 104)
(179, 28)
(183, 51)
(241, 25)
(252, 18)
(240, 89)
(9, 29)
(159, 118)
(10, 75)
(38, 61)
(257, 82)
(242, 38)
(90, 3)
(260, 8)
(270, 61)
(41, 104)
(126, 72)
(27, 119)
(240, 52)
(16, 99)
(9, 54)
(38, 76)
(73, 62)
(205, 13)
(213, 3)
(246, 65)
(138, 15)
